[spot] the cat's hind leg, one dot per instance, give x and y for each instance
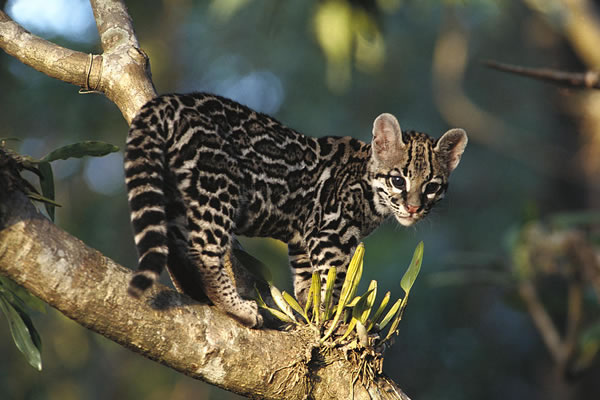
(209, 244)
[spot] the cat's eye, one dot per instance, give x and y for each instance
(398, 182)
(432, 187)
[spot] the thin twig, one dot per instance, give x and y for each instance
(589, 79)
(542, 321)
(574, 317)
(449, 66)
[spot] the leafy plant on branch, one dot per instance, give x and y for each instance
(363, 330)
(43, 169)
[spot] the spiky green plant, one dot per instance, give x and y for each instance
(356, 309)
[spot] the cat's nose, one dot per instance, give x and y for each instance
(412, 209)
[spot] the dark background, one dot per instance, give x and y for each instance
(533, 151)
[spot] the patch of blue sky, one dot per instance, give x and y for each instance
(70, 19)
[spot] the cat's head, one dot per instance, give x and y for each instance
(411, 169)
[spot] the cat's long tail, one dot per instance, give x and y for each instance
(144, 176)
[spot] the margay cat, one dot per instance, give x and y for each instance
(201, 168)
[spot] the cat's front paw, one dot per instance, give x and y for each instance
(247, 314)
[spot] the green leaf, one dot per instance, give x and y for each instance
(276, 313)
(355, 278)
(259, 299)
(379, 312)
(353, 302)
(280, 315)
(329, 284)
(360, 307)
(407, 282)
(309, 299)
(21, 294)
(413, 269)
(294, 304)
(390, 314)
(363, 305)
(316, 290)
(352, 277)
(349, 286)
(81, 149)
(47, 185)
(396, 322)
(26, 338)
(281, 303)
(368, 303)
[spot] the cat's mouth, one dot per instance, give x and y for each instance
(408, 220)
(408, 217)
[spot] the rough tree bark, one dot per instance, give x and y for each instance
(170, 328)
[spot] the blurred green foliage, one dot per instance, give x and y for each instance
(456, 342)
(14, 301)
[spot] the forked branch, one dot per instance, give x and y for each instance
(121, 72)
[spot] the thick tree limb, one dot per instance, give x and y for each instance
(190, 337)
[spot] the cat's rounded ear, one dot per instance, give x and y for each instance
(451, 147)
(387, 137)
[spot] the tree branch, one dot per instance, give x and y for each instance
(53, 60)
(122, 72)
(171, 328)
(542, 321)
(126, 76)
(449, 65)
(589, 79)
(114, 24)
